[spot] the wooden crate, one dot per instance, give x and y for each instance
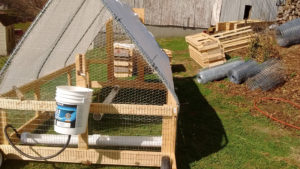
(206, 50)
(209, 50)
(198, 57)
(123, 60)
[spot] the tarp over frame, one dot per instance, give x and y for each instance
(65, 28)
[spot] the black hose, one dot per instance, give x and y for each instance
(29, 156)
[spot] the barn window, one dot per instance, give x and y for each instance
(247, 12)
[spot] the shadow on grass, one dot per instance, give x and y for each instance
(178, 68)
(200, 130)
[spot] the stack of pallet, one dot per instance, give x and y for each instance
(209, 50)
(235, 39)
(233, 25)
(206, 50)
(123, 60)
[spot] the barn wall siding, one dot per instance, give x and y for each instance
(261, 9)
(3, 46)
(181, 13)
(198, 13)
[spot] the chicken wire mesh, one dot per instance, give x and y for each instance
(113, 62)
(271, 76)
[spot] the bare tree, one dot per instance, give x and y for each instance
(25, 9)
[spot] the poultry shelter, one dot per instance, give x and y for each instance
(101, 45)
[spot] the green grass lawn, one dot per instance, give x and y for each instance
(215, 129)
(22, 26)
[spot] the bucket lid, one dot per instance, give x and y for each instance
(74, 90)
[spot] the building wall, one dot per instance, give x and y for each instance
(179, 13)
(201, 13)
(3, 46)
(7, 39)
(261, 9)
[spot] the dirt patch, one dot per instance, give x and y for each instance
(274, 133)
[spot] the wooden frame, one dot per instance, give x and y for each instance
(83, 154)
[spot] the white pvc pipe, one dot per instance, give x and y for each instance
(94, 140)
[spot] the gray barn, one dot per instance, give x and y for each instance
(203, 13)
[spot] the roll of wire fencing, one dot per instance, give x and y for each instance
(289, 33)
(272, 75)
(241, 73)
(217, 72)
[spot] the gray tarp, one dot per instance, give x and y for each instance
(66, 28)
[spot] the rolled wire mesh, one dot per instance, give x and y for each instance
(289, 33)
(109, 66)
(242, 72)
(217, 72)
(270, 77)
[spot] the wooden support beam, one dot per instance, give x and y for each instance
(141, 69)
(3, 120)
(110, 49)
(37, 96)
(125, 109)
(169, 128)
(82, 80)
(92, 156)
(108, 100)
(137, 84)
(69, 76)
(19, 94)
(97, 61)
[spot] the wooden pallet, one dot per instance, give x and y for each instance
(206, 50)
(232, 25)
(123, 60)
(209, 50)
(235, 39)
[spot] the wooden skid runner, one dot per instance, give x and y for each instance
(93, 156)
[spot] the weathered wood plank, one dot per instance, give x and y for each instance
(126, 109)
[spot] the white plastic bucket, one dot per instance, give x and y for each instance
(72, 112)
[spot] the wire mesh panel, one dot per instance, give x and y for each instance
(118, 74)
(123, 76)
